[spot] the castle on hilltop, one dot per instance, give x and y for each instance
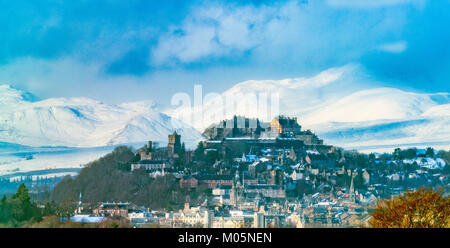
(230, 136)
(285, 126)
(237, 127)
(247, 128)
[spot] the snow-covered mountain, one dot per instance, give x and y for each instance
(344, 106)
(83, 122)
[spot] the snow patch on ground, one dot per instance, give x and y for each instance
(50, 161)
(429, 163)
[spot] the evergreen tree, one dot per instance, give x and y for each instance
(396, 153)
(199, 152)
(22, 194)
(19, 208)
(429, 152)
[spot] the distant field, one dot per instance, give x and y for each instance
(47, 161)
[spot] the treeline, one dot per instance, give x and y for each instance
(39, 188)
(19, 210)
(412, 153)
(106, 180)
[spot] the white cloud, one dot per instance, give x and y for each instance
(394, 47)
(215, 31)
(196, 42)
(290, 32)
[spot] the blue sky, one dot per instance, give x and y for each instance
(117, 51)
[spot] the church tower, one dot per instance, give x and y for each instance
(174, 145)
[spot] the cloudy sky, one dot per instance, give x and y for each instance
(119, 51)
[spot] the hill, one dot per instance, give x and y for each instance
(107, 179)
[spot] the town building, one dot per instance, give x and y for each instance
(211, 181)
(266, 190)
(152, 165)
(113, 209)
(188, 182)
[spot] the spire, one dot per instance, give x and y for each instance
(233, 195)
(352, 189)
(332, 191)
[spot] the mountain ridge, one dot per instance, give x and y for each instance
(82, 122)
(343, 105)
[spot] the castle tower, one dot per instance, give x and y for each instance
(150, 146)
(174, 145)
(146, 152)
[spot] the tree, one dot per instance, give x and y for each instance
(22, 194)
(65, 209)
(396, 153)
(22, 207)
(446, 169)
(445, 155)
(124, 166)
(359, 180)
(372, 157)
(429, 152)
(183, 149)
(409, 153)
(179, 162)
(211, 157)
(424, 208)
(19, 209)
(199, 151)
(303, 188)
